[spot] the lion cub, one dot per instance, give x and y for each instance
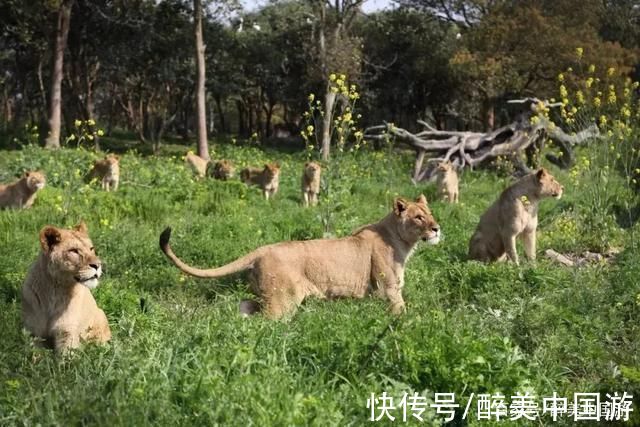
(370, 261)
(447, 181)
(57, 304)
(311, 183)
(108, 171)
(197, 164)
(514, 214)
(268, 178)
(22, 193)
(222, 170)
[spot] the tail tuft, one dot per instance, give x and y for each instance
(164, 238)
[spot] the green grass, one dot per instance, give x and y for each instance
(181, 353)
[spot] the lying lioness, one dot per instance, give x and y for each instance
(57, 304)
(22, 193)
(371, 260)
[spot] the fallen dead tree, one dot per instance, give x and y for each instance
(471, 149)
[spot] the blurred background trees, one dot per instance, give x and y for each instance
(131, 64)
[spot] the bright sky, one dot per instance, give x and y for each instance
(368, 6)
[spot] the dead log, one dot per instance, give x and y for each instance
(474, 148)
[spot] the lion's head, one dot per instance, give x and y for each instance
(311, 169)
(35, 180)
(271, 171)
(444, 167)
(547, 185)
(415, 221)
(224, 168)
(112, 160)
(71, 256)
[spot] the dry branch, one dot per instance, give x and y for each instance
(473, 148)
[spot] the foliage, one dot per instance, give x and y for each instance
(608, 171)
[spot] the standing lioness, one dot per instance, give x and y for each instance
(371, 260)
(107, 171)
(57, 304)
(514, 214)
(268, 178)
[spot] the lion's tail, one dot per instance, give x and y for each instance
(244, 263)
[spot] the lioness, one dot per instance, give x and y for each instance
(57, 304)
(311, 183)
(107, 171)
(370, 261)
(222, 170)
(197, 164)
(22, 193)
(447, 181)
(514, 214)
(268, 178)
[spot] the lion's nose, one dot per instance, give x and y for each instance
(94, 266)
(435, 228)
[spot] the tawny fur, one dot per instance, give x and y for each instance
(267, 178)
(447, 181)
(197, 164)
(370, 261)
(222, 170)
(311, 183)
(57, 304)
(513, 215)
(107, 171)
(22, 193)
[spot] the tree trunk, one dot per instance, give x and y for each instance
(203, 146)
(329, 104)
(55, 96)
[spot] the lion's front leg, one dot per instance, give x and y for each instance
(391, 285)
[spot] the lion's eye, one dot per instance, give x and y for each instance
(74, 251)
(420, 218)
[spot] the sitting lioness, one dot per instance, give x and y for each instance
(514, 214)
(370, 261)
(311, 183)
(22, 193)
(57, 304)
(268, 178)
(447, 181)
(107, 171)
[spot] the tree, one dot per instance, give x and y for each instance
(203, 146)
(337, 51)
(55, 94)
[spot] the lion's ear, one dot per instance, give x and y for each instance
(399, 205)
(541, 173)
(27, 174)
(81, 227)
(49, 237)
(421, 200)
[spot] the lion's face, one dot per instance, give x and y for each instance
(71, 255)
(35, 180)
(444, 167)
(112, 160)
(415, 221)
(271, 171)
(311, 169)
(225, 167)
(547, 184)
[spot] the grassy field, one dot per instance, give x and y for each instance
(181, 354)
